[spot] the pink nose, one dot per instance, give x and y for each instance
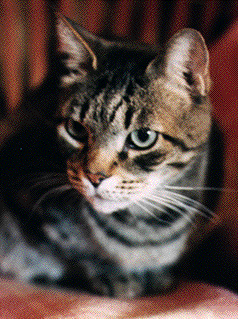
(96, 179)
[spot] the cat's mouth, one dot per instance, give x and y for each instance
(106, 205)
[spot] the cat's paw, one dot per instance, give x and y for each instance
(133, 285)
(118, 286)
(157, 281)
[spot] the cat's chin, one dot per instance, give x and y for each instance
(106, 206)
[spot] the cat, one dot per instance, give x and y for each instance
(107, 195)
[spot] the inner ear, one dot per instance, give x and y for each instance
(76, 48)
(185, 62)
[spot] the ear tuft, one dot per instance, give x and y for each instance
(77, 55)
(186, 61)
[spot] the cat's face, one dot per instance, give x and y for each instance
(134, 122)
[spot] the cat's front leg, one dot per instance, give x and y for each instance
(121, 284)
(140, 284)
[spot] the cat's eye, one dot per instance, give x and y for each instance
(143, 138)
(76, 130)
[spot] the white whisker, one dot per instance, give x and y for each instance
(153, 205)
(138, 203)
(45, 184)
(159, 201)
(199, 207)
(193, 201)
(196, 188)
(164, 202)
(174, 201)
(42, 179)
(61, 188)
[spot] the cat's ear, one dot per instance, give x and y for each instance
(76, 47)
(185, 62)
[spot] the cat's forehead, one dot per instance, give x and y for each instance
(114, 103)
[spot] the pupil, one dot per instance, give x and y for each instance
(143, 135)
(76, 127)
(77, 130)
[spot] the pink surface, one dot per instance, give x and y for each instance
(189, 301)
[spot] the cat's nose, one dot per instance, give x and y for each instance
(96, 179)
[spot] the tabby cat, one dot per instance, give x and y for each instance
(107, 195)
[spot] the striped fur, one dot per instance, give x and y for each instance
(117, 207)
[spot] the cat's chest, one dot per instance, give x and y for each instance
(137, 242)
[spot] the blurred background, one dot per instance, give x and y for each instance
(26, 59)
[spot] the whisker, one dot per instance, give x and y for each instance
(161, 203)
(197, 188)
(176, 202)
(40, 178)
(138, 203)
(61, 188)
(206, 212)
(193, 201)
(45, 184)
(173, 207)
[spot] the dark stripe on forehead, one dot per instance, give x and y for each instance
(127, 89)
(95, 117)
(130, 89)
(102, 114)
(84, 109)
(128, 116)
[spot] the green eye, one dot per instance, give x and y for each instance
(143, 138)
(76, 130)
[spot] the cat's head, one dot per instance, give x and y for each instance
(135, 119)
